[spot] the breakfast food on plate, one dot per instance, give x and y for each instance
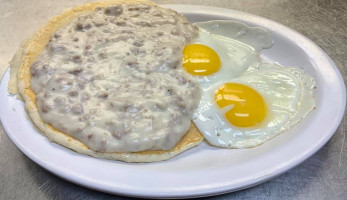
(105, 79)
(123, 80)
(245, 102)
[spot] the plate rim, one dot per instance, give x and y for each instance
(230, 13)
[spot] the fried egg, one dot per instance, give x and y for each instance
(215, 56)
(245, 102)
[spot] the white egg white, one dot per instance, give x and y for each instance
(256, 37)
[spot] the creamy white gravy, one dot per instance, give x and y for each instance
(113, 79)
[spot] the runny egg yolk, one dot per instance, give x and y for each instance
(200, 60)
(249, 107)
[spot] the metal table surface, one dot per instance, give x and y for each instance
(323, 176)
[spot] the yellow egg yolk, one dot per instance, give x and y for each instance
(201, 60)
(249, 108)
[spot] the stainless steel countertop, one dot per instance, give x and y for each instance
(323, 176)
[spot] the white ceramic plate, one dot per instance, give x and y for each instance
(204, 170)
